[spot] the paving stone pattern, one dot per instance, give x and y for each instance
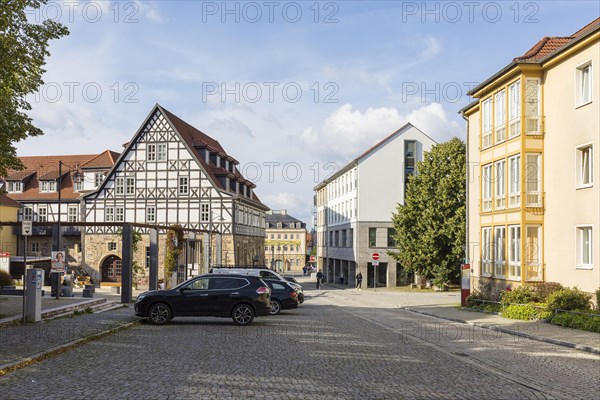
(323, 350)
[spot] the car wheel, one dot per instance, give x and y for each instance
(275, 307)
(159, 314)
(242, 314)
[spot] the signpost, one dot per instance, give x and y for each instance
(375, 263)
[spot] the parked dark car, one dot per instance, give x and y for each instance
(283, 296)
(290, 279)
(296, 286)
(235, 296)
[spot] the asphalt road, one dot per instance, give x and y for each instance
(335, 346)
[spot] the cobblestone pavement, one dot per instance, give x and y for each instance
(326, 349)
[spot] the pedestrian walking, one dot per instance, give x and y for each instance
(304, 270)
(359, 281)
(319, 279)
(341, 278)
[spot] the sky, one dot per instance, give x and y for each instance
(292, 90)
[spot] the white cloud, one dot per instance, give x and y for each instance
(229, 126)
(347, 132)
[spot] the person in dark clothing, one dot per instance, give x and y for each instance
(319, 279)
(66, 290)
(359, 281)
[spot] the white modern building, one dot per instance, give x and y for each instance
(355, 207)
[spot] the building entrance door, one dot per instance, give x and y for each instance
(111, 269)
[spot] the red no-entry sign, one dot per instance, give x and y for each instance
(375, 256)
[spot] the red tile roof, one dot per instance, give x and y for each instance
(46, 168)
(102, 160)
(548, 45)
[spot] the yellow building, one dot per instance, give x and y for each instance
(285, 242)
(9, 211)
(533, 178)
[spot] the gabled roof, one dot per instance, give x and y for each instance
(194, 140)
(370, 151)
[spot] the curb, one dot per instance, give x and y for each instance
(25, 361)
(50, 313)
(563, 343)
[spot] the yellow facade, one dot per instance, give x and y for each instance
(531, 143)
(8, 240)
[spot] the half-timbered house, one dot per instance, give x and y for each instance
(50, 186)
(170, 173)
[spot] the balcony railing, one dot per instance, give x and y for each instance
(535, 125)
(535, 199)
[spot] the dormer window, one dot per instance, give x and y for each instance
(48, 186)
(279, 225)
(14, 187)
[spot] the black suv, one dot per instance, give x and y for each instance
(235, 296)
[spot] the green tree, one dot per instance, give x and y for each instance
(430, 226)
(23, 53)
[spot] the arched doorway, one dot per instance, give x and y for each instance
(111, 269)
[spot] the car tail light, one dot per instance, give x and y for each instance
(293, 293)
(263, 290)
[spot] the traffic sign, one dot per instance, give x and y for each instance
(26, 228)
(375, 263)
(375, 256)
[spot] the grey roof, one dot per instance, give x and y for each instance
(285, 219)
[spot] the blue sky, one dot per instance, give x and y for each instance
(288, 86)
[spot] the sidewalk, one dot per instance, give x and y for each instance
(24, 343)
(536, 330)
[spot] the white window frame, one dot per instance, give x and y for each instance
(584, 88)
(130, 185)
(514, 109)
(98, 178)
(151, 152)
(183, 185)
(109, 214)
(533, 180)
(119, 214)
(43, 214)
(486, 251)
(72, 213)
(500, 184)
(161, 152)
(533, 119)
(500, 251)
(14, 187)
(120, 185)
(486, 187)
(514, 181)
(514, 251)
(205, 213)
(27, 214)
(486, 123)
(500, 116)
(151, 214)
(582, 247)
(585, 164)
